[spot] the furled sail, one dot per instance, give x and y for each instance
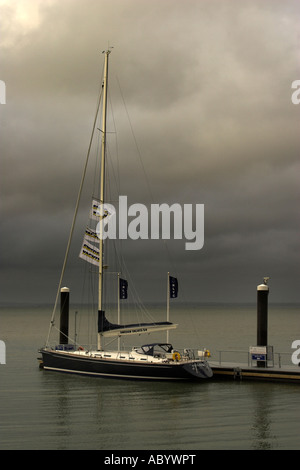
(105, 328)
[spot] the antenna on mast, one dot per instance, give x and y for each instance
(108, 49)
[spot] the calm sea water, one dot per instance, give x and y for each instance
(47, 410)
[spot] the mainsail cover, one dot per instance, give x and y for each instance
(105, 328)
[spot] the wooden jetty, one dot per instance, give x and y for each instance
(239, 371)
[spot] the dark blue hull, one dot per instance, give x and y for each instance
(110, 368)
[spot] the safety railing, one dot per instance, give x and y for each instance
(243, 356)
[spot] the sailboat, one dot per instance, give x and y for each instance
(151, 361)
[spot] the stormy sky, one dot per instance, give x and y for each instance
(201, 90)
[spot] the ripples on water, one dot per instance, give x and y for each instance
(44, 410)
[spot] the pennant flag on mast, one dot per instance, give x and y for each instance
(98, 211)
(123, 288)
(91, 235)
(95, 211)
(89, 253)
(173, 287)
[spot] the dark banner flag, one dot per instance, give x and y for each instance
(123, 289)
(173, 287)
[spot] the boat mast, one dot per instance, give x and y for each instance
(102, 184)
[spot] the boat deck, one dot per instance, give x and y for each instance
(130, 356)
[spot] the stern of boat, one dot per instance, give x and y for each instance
(199, 369)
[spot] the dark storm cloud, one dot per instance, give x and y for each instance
(207, 87)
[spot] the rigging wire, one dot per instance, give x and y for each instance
(144, 171)
(74, 219)
(117, 180)
(114, 173)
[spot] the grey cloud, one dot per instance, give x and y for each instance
(207, 89)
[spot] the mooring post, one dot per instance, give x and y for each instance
(262, 317)
(64, 315)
